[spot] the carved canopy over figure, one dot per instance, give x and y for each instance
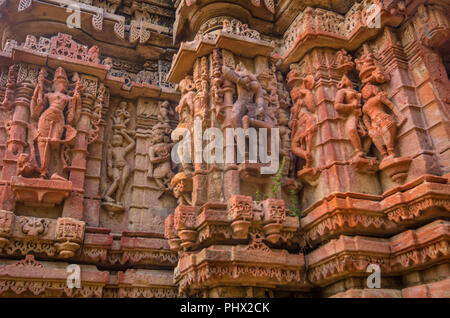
(52, 121)
(382, 126)
(370, 70)
(249, 91)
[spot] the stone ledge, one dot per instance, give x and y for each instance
(257, 266)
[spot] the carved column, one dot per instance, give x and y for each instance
(17, 125)
(74, 204)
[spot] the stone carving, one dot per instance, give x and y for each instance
(24, 4)
(149, 74)
(160, 168)
(6, 222)
(382, 129)
(118, 170)
(236, 27)
(240, 210)
(370, 70)
(33, 226)
(54, 122)
(381, 126)
(249, 91)
(181, 186)
(348, 105)
(348, 102)
(10, 96)
(303, 123)
(235, 232)
(139, 31)
(69, 234)
(185, 108)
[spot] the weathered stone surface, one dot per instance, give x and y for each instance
(354, 107)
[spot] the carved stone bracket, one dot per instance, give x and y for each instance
(139, 31)
(69, 234)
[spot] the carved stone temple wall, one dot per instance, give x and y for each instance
(355, 93)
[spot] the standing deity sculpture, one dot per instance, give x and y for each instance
(185, 110)
(348, 105)
(55, 121)
(303, 123)
(381, 126)
(118, 169)
(117, 165)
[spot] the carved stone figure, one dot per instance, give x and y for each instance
(381, 126)
(118, 169)
(185, 108)
(348, 105)
(303, 124)
(160, 168)
(121, 117)
(249, 91)
(163, 118)
(52, 121)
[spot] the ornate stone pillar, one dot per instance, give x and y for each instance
(74, 205)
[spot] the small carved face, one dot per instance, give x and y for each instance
(369, 91)
(117, 141)
(158, 138)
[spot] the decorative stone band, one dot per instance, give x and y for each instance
(96, 247)
(426, 198)
(30, 277)
(439, 289)
(349, 256)
(146, 283)
(219, 266)
(313, 27)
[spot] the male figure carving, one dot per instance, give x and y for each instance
(303, 123)
(118, 169)
(348, 104)
(382, 126)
